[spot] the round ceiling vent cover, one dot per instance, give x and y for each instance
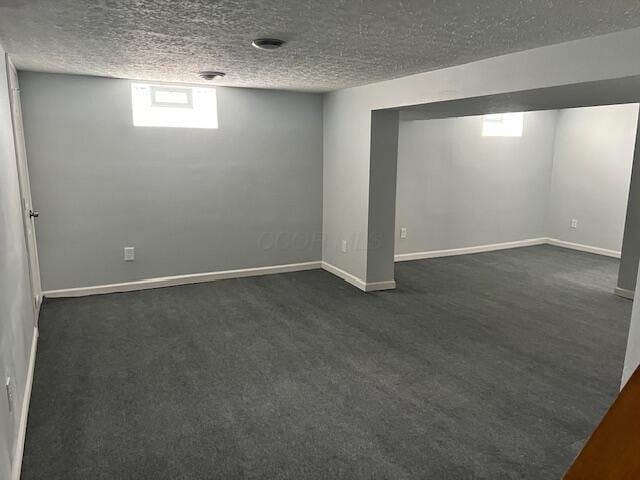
(211, 75)
(267, 43)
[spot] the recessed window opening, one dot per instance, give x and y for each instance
(173, 107)
(503, 125)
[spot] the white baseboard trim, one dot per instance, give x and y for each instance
(584, 248)
(624, 293)
(187, 279)
(403, 257)
(175, 280)
(379, 286)
(358, 282)
(347, 277)
(16, 468)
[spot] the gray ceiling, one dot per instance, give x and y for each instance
(331, 43)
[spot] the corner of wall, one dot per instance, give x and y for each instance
(549, 199)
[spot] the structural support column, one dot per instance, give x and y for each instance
(383, 168)
(632, 358)
(628, 272)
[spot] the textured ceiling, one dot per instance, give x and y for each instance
(331, 43)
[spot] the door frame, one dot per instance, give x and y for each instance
(26, 202)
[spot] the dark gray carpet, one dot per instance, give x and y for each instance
(488, 366)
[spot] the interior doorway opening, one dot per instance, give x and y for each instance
(497, 181)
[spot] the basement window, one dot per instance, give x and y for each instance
(502, 125)
(173, 107)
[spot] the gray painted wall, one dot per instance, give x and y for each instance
(347, 122)
(628, 272)
(591, 172)
(458, 189)
(345, 180)
(17, 322)
(248, 194)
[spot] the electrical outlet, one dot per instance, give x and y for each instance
(10, 393)
(403, 233)
(344, 246)
(129, 254)
(574, 223)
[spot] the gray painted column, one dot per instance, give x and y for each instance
(628, 272)
(632, 359)
(382, 200)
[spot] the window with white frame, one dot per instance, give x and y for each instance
(176, 107)
(503, 125)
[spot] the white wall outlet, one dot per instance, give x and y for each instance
(403, 232)
(574, 223)
(344, 246)
(129, 254)
(11, 395)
